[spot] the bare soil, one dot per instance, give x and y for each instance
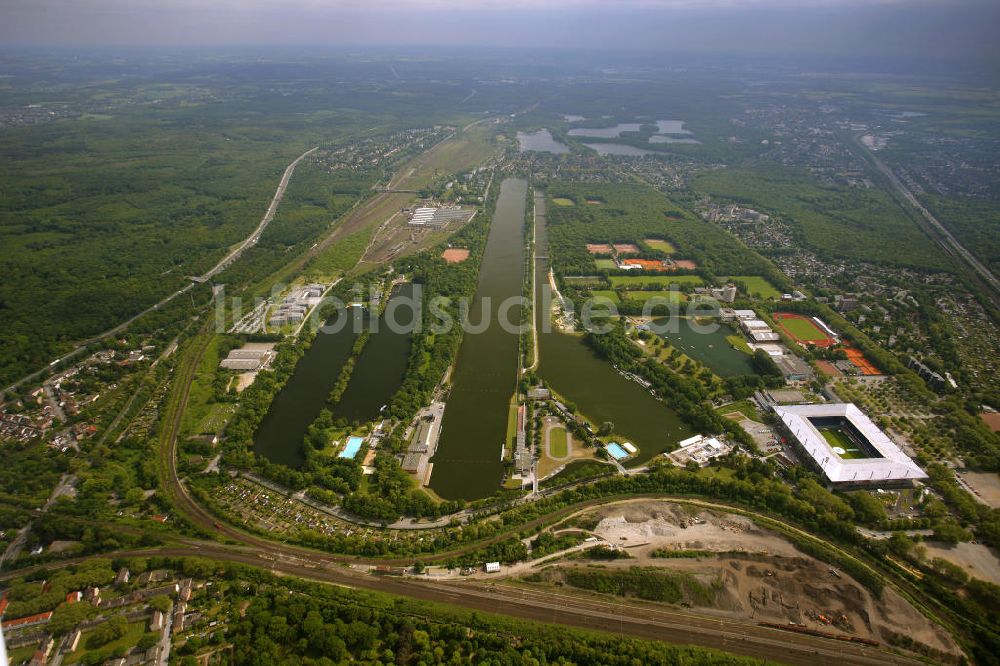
(755, 573)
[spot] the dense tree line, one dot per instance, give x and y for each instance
(324, 626)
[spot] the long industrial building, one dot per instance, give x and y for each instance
(843, 444)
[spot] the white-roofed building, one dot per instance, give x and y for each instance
(846, 447)
(750, 325)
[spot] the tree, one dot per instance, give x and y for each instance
(867, 508)
(606, 429)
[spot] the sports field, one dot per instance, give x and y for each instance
(837, 438)
(608, 264)
(584, 280)
(863, 364)
(802, 329)
(657, 280)
(670, 296)
(660, 244)
(608, 294)
(755, 285)
(558, 446)
(563, 201)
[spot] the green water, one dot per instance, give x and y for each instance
(299, 402)
(379, 370)
(711, 349)
(467, 463)
(601, 394)
(377, 375)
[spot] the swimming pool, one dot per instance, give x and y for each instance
(616, 451)
(352, 447)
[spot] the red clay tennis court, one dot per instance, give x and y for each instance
(455, 255)
(803, 329)
(863, 364)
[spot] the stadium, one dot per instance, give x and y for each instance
(843, 444)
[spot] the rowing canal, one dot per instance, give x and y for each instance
(467, 463)
(578, 374)
(378, 373)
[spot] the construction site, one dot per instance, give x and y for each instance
(727, 566)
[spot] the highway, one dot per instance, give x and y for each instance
(266, 220)
(228, 259)
(938, 231)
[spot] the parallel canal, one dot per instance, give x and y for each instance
(279, 437)
(581, 376)
(377, 374)
(379, 370)
(467, 463)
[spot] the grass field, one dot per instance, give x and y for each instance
(584, 280)
(656, 280)
(216, 418)
(558, 445)
(606, 293)
(511, 428)
(660, 244)
(802, 329)
(608, 264)
(133, 633)
(671, 296)
(738, 342)
(563, 201)
(835, 437)
(755, 285)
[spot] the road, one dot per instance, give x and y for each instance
(228, 259)
(266, 220)
(17, 545)
(938, 231)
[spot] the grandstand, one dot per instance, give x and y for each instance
(845, 446)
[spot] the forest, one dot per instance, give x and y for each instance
(831, 220)
(322, 625)
(631, 213)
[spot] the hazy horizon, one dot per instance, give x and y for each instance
(924, 29)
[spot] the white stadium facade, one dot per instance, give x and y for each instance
(873, 461)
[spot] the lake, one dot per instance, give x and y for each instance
(541, 141)
(619, 149)
(600, 393)
(671, 127)
(710, 349)
(659, 138)
(467, 463)
(299, 402)
(605, 132)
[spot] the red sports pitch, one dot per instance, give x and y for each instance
(803, 329)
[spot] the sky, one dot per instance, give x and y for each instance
(924, 28)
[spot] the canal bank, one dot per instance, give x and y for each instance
(468, 462)
(599, 391)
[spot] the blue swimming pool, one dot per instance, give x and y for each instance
(352, 447)
(616, 451)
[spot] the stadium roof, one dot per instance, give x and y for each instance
(894, 465)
